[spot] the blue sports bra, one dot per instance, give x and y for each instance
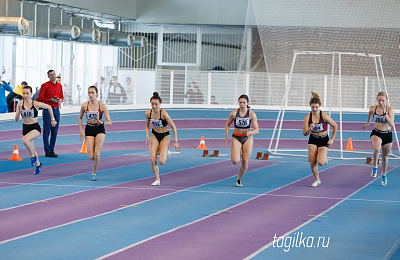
(158, 123)
(242, 122)
(379, 118)
(29, 113)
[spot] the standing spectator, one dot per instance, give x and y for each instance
(129, 90)
(17, 93)
(51, 93)
(3, 87)
(101, 90)
(116, 93)
(194, 94)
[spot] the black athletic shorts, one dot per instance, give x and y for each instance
(27, 128)
(94, 130)
(386, 136)
(319, 141)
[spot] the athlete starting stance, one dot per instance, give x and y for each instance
(316, 125)
(94, 133)
(381, 135)
(242, 137)
(28, 109)
(160, 137)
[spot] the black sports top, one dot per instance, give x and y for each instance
(379, 118)
(242, 122)
(29, 113)
(158, 123)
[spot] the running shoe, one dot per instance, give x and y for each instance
(33, 161)
(156, 183)
(384, 180)
(326, 162)
(239, 183)
(94, 177)
(374, 172)
(315, 183)
(37, 170)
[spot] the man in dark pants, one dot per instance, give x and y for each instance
(51, 93)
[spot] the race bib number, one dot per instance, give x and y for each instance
(157, 123)
(92, 115)
(380, 119)
(27, 113)
(318, 128)
(242, 122)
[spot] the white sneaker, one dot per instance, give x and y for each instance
(384, 180)
(316, 183)
(326, 162)
(374, 172)
(239, 183)
(156, 183)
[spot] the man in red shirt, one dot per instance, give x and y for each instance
(51, 93)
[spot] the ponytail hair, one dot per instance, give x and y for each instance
(156, 96)
(315, 99)
(245, 97)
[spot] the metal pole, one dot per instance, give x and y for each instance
(340, 105)
(284, 103)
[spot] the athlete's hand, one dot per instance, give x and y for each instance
(177, 146)
(81, 135)
(312, 126)
(98, 120)
(53, 123)
(147, 140)
(248, 132)
(226, 141)
(364, 126)
(330, 142)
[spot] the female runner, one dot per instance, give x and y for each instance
(381, 135)
(94, 133)
(160, 137)
(316, 124)
(28, 109)
(242, 137)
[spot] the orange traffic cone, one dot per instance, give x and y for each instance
(349, 145)
(83, 150)
(202, 144)
(15, 155)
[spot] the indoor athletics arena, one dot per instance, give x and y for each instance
(193, 129)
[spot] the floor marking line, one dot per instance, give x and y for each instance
(305, 223)
(106, 213)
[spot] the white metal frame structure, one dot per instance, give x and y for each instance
(281, 114)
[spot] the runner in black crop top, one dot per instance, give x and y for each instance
(381, 136)
(30, 127)
(315, 126)
(159, 137)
